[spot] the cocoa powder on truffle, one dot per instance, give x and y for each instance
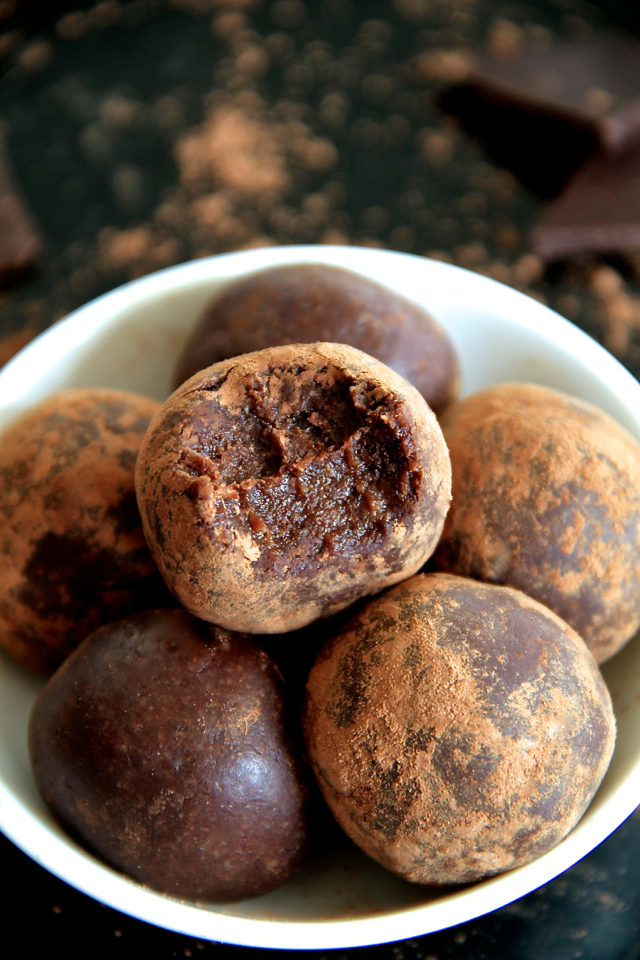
(546, 498)
(280, 486)
(73, 552)
(457, 729)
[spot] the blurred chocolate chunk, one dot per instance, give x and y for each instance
(20, 240)
(599, 210)
(542, 111)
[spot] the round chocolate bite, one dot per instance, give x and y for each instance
(161, 745)
(280, 486)
(73, 552)
(310, 302)
(457, 729)
(546, 498)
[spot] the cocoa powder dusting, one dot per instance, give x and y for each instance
(73, 551)
(313, 466)
(546, 498)
(457, 729)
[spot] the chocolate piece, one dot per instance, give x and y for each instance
(20, 241)
(457, 729)
(542, 112)
(282, 485)
(161, 744)
(597, 212)
(546, 498)
(306, 303)
(73, 552)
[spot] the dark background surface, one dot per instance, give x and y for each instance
(591, 912)
(384, 189)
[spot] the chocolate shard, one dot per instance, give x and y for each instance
(20, 240)
(599, 210)
(543, 111)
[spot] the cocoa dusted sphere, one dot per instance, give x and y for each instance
(73, 552)
(457, 729)
(161, 744)
(282, 485)
(306, 303)
(546, 498)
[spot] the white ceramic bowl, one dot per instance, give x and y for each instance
(130, 339)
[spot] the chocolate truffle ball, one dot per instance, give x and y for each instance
(161, 744)
(73, 552)
(546, 498)
(457, 729)
(280, 486)
(308, 302)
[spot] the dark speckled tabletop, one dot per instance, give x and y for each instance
(109, 110)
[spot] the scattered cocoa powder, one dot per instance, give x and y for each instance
(20, 239)
(619, 308)
(12, 343)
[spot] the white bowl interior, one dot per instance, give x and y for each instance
(130, 339)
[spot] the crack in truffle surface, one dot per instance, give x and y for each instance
(332, 456)
(282, 485)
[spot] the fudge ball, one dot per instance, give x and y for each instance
(307, 302)
(161, 745)
(280, 486)
(546, 498)
(73, 551)
(457, 729)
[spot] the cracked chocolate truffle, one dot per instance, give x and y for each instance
(282, 485)
(546, 498)
(162, 744)
(457, 729)
(73, 552)
(306, 303)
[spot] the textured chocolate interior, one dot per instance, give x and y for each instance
(282, 485)
(319, 463)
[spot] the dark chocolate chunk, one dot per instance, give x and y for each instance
(599, 210)
(542, 113)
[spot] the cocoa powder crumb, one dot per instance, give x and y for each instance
(619, 308)
(12, 343)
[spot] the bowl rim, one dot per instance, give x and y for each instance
(62, 857)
